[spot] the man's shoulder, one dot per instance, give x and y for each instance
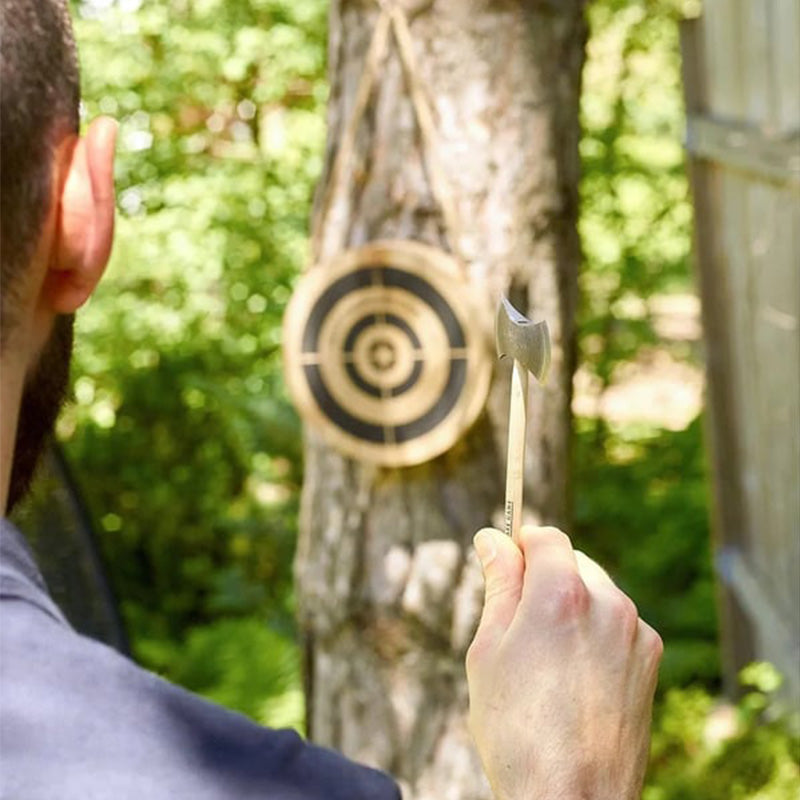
(76, 715)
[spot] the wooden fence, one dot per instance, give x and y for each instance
(741, 64)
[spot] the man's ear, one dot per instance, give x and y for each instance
(85, 220)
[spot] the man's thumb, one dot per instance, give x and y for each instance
(503, 571)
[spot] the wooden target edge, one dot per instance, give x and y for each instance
(403, 254)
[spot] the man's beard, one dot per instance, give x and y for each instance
(42, 397)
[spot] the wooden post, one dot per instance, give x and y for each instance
(728, 515)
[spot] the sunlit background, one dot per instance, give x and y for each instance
(182, 439)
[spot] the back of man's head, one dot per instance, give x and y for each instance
(39, 98)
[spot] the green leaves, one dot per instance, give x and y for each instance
(635, 217)
(182, 432)
(641, 491)
(242, 664)
(641, 510)
(705, 749)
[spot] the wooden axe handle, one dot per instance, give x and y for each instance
(515, 470)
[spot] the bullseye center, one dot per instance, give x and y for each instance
(384, 356)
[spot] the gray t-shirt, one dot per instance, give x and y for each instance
(78, 721)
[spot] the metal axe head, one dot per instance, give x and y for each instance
(524, 341)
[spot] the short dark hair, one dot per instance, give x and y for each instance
(39, 104)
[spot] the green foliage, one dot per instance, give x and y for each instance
(635, 215)
(641, 511)
(641, 504)
(178, 391)
(242, 664)
(706, 750)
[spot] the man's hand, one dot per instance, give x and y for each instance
(561, 674)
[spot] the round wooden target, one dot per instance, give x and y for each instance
(384, 355)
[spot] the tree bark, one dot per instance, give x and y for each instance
(389, 592)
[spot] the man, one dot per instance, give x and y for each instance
(561, 671)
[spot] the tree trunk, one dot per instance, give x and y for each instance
(389, 592)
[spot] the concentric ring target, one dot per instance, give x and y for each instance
(383, 353)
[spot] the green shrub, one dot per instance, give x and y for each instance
(242, 664)
(181, 433)
(707, 749)
(641, 509)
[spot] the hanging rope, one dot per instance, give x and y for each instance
(328, 235)
(336, 184)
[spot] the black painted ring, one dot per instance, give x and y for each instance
(361, 279)
(352, 370)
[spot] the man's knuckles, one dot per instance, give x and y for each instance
(651, 643)
(562, 598)
(623, 615)
(535, 538)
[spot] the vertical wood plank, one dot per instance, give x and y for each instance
(771, 95)
(779, 335)
(763, 270)
(790, 222)
(785, 63)
(728, 522)
(775, 380)
(785, 66)
(758, 88)
(733, 207)
(722, 22)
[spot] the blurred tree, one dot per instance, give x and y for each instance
(388, 594)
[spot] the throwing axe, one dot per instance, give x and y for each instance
(528, 343)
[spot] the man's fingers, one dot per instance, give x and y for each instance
(553, 585)
(545, 548)
(594, 576)
(619, 613)
(503, 570)
(652, 646)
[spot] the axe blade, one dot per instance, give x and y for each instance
(525, 341)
